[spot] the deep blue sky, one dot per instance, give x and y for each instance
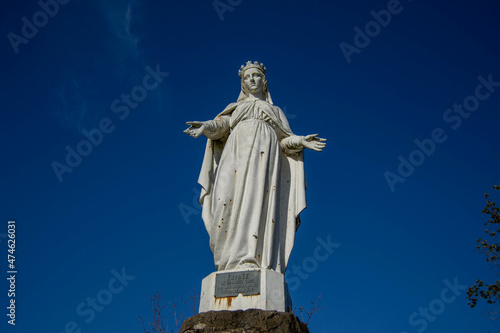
(120, 207)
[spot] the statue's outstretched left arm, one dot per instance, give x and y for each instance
(312, 142)
(296, 143)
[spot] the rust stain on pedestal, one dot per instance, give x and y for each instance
(227, 301)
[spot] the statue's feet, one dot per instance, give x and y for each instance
(248, 264)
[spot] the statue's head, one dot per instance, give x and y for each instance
(253, 78)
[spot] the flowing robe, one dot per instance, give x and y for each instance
(253, 186)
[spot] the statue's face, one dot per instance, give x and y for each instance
(253, 80)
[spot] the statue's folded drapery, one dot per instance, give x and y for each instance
(253, 186)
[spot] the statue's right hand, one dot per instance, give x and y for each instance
(195, 129)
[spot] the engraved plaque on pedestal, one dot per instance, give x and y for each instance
(233, 283)
(245, 289)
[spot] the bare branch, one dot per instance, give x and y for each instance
(315, 308)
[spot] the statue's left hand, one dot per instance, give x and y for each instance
(313, 142)
(195, 129)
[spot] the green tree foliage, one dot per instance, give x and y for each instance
(490, 247)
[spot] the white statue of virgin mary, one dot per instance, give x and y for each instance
(252, 178)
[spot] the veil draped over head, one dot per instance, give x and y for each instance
(265, 93)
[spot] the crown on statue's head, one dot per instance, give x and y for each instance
(249, 64)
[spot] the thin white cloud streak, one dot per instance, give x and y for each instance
(121, 17)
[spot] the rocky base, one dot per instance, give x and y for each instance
(248, 321)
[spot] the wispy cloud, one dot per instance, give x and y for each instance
(72, 98)
(83, 91)
(122, 17)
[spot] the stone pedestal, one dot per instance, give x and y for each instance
(245, 289)
(249, 321)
